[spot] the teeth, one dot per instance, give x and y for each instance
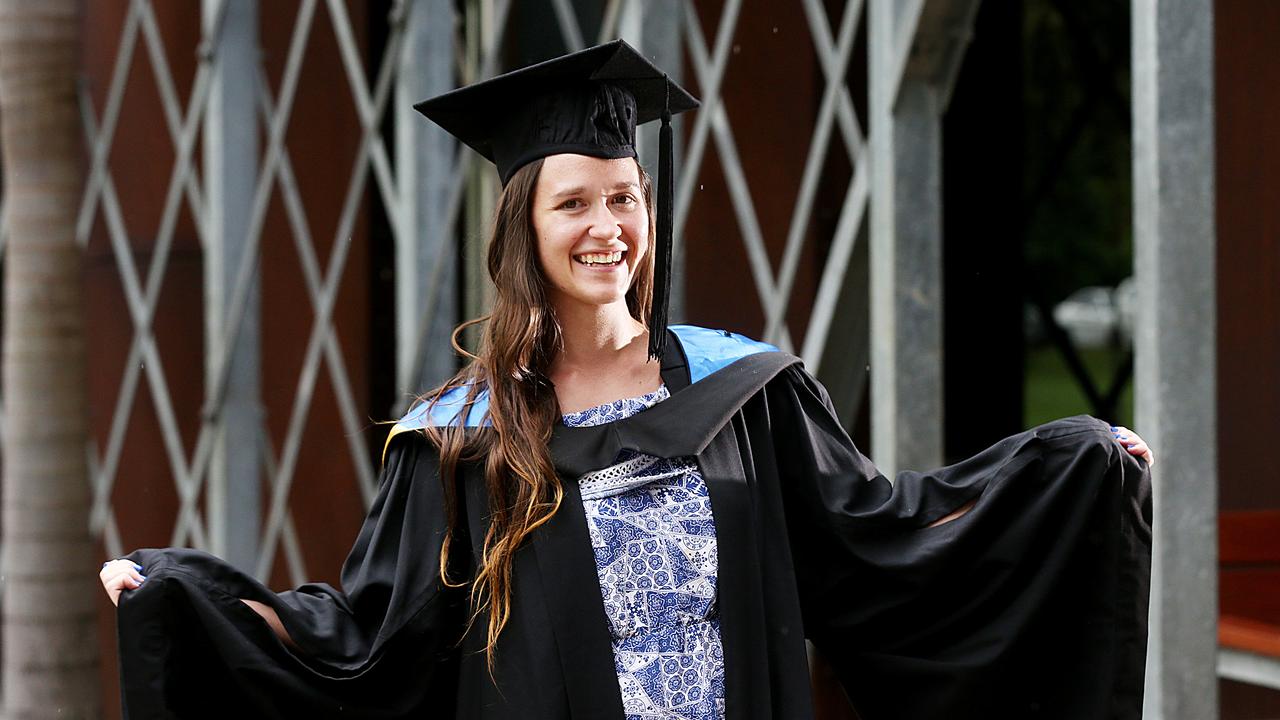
(599, 258)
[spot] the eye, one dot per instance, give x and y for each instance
(624, 200)
(570, 204)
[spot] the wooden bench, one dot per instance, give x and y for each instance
(1249, 597)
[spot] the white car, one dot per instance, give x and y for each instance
(1089, 316)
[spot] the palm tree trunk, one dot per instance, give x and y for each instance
(49, 598)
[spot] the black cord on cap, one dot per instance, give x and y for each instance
(665, 221)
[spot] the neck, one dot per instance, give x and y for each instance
(597, 335)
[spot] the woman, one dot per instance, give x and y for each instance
(602, 517)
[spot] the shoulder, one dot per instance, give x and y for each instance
(708, 350)
(451, 408)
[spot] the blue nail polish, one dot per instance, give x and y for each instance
(137, 567)
(1113, 428)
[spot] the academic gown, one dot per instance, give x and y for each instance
(1032, 604)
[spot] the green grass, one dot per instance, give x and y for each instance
(1052, 392)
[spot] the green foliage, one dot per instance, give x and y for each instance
(1078, 203)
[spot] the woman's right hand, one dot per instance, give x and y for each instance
(119, 575)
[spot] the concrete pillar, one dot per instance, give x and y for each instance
(905, 251)
(1175, 344)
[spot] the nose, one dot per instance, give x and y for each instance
(604, 224)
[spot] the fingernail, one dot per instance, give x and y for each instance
(144, 579)
(136, 566)
(1113, 428)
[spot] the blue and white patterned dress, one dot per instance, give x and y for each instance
(655, 547)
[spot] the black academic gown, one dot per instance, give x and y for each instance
(1033, 604)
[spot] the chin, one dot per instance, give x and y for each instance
(609, 300)
(597, 299)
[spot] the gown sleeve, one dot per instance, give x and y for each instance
(1033, 604)
(382, 646)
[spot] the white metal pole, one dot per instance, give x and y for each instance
(424, 164)
(230, 171)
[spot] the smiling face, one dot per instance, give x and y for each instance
(592, 228)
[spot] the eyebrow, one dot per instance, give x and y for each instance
(624, 185)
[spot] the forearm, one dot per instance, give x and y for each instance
(954, 514)
(273, 620)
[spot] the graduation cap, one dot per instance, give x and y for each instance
(587, 103)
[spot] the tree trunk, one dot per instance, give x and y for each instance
(49, 560)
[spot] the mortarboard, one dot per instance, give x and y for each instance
(588, 103)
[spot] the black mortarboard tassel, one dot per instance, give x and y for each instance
(663, 251)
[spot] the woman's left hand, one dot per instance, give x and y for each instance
(1134, 444)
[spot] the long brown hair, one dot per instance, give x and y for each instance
(518, 343)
